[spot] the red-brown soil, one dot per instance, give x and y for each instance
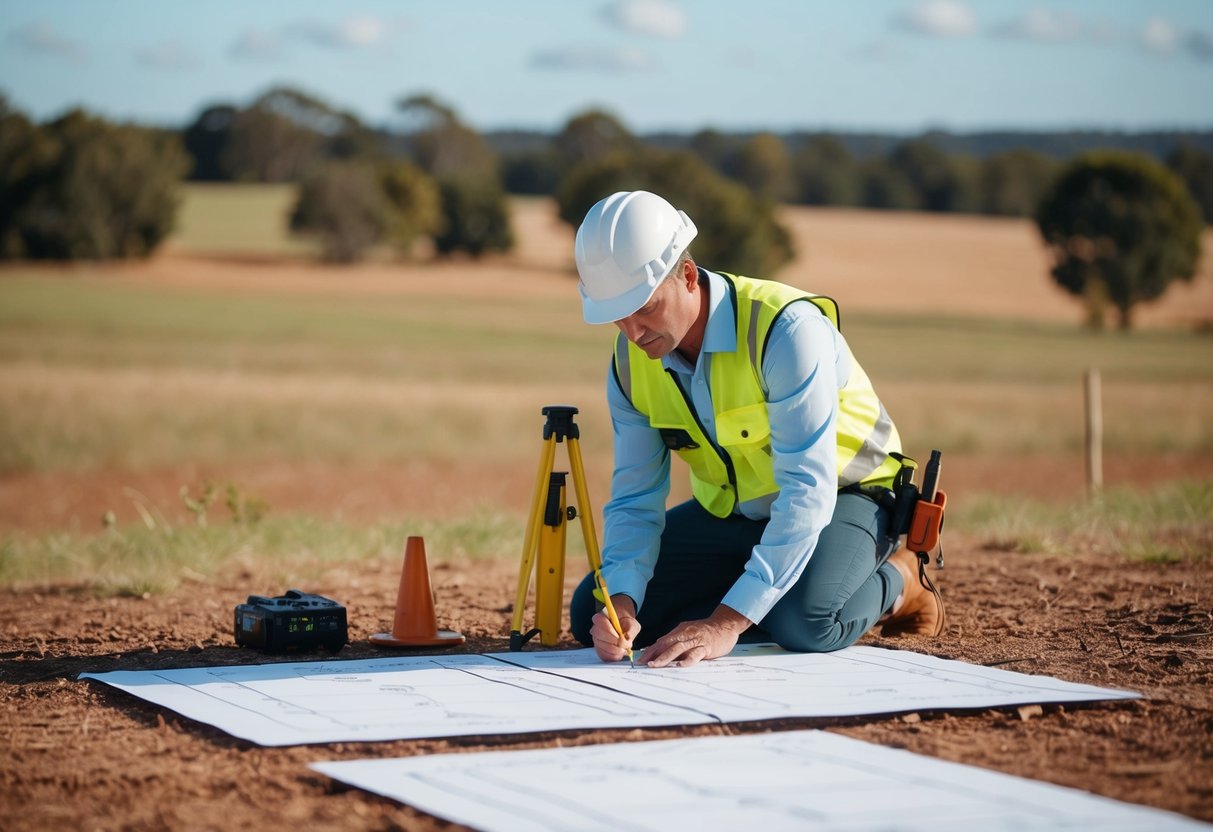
(78, 754)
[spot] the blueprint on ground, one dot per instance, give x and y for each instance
(792, 780)
(296, 703)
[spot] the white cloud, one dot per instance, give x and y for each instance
(610, 61)
(938, 18)
(257, 45)
(41, 37)
(1040, 24)
(354, 33)
(1160, 36)
(168, 55)
(1157, 35)
(659, 18)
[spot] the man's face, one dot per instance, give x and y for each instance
(660, 325)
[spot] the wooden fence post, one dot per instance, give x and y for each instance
(1094, 422)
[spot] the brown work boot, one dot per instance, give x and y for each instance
(921, 612)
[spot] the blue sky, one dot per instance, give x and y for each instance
(888, 65)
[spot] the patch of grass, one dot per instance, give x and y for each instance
(251, 219)
(156, 557)
(1167, 524)
(1008, 351)
(100, 370)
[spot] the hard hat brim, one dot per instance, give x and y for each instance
(613, 309)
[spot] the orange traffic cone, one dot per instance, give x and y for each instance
(415, 625)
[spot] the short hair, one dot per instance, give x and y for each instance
(685, 257)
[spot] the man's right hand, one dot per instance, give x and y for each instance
(607, 643)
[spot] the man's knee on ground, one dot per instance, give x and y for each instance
(807, 635)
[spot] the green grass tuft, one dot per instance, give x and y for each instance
(155, 557)
(1167, 524)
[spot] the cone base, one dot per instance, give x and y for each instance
(445, 638)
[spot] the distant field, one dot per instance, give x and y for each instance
(101, 372)
(251, 219)
(957, 266)
(396, 389)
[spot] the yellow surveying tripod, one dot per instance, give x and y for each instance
(545, 535)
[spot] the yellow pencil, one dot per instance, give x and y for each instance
(610, 611)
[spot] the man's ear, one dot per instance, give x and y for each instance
(690, 275)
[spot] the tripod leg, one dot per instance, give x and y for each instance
(549, 574)
(533, 523)
(591, 535)
(586, 510)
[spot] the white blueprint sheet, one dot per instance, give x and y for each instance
(766, 682)
(793, 780)
(295, 703)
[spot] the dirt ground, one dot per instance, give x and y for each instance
(81, 755)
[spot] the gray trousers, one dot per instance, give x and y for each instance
(845, 588)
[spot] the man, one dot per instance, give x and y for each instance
(752, 384)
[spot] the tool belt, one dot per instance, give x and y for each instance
(913, 512)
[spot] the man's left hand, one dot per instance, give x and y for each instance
(694, 641)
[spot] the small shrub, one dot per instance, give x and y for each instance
(476, 217)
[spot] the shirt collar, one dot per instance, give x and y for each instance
(720, 334)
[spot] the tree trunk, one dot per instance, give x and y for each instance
(1126, 317)
(1095, 298)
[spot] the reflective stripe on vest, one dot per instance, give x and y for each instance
(737, 465)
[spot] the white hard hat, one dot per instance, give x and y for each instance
(626, 244)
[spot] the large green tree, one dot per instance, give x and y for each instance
(1195, 167)
(279, 137)
(80, 187)
(886, 187)
(763, 165)
(942, 182)
(590, 137)
(442, 144)
(826, 173)
(415, 203)
(713, 147)
(475, 216)
(1012, 183)
(27, 158)
(351, 205)
(343, 205)
(206, 142)
(1121, 228)
(737, 232)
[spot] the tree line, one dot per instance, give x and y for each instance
(81, 187)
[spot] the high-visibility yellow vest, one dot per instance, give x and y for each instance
(737, 466)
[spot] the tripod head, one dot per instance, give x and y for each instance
(560, 422)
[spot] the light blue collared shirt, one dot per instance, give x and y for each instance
(805, 365)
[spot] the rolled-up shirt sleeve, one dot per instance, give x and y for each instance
(634, 517)
(804, 366)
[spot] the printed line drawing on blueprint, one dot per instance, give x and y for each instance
(380, 699)
(766, 682)
(791, 780)
(504, 693)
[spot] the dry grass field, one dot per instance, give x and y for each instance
(353, 406)
(957, 266)
(339, 390)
